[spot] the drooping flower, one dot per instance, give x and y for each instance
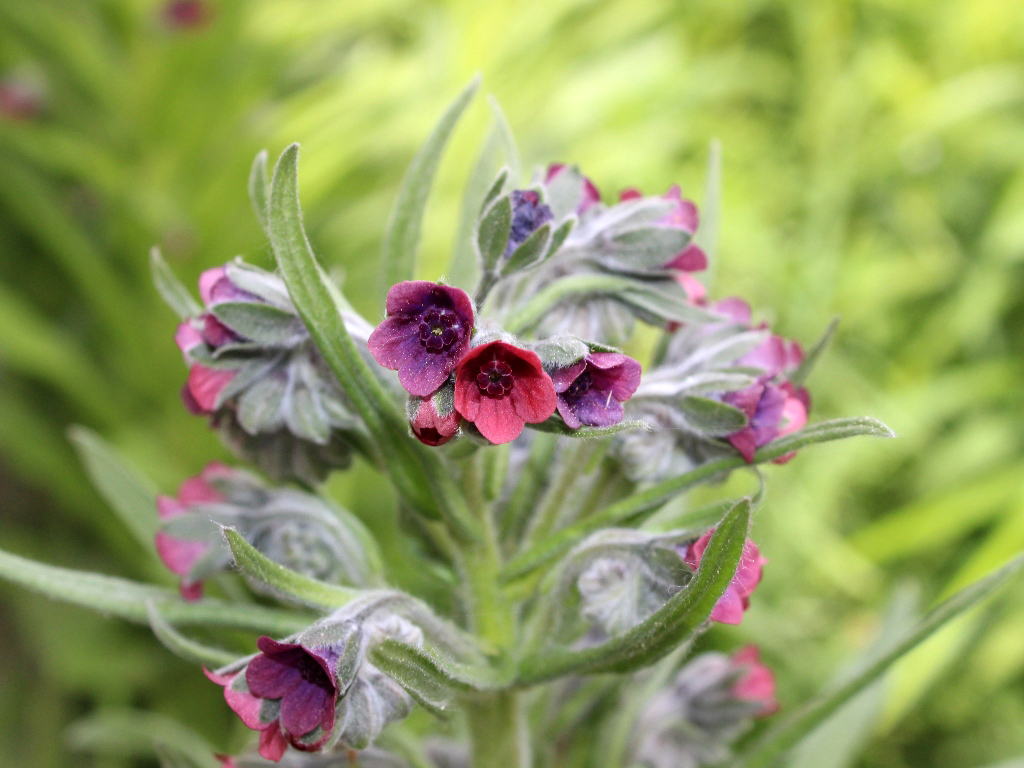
(683, 216)
(296, 529)
(500, 388)
(432, 425)
(528, 214)
(254, 370)
(593, 390)
(179, 554)
(756, 682)
(772, 410)
(581, 191)
(426, 332)
(731, 605)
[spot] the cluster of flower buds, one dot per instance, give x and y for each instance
(709, 704)
(255, 372)
(296, 529)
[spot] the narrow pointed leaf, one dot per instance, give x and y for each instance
(131, 495)
(508, 140)
(129, 599)
(403, 233)
(529, 251)
(675, 623)
(170, 287)
(639, 506)
(464, 268)
(183, 647)
(284, 581)
(259, 189)
(814, 354)
(131, 733)
(492, 236)
(557, 427)
(775, 743)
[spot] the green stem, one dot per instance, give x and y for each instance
(498, 731)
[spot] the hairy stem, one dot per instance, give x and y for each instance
(498, 731)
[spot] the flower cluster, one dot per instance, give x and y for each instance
(298, 530)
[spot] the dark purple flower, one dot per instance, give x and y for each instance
(772, 410)
(593, 390)
(731, 605)
(179, 555)
(500, 388)
(588, 194)
(528, 214)
(426, 332)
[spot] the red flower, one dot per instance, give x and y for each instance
(756, 682)
(430, 427)
(731, 605)
(500, 388)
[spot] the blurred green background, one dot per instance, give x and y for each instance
(873, 169)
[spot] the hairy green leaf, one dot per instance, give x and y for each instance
(170, 287)
(259, 189)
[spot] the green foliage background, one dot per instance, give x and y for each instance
(873, 168)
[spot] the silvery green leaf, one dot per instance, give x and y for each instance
(624, 216)
(464, 269)
(265, 285)
(559, 236)
(560, 351)
(814, 354)
(401, 238)
(372, 702)
(259, 408)
(304, 413)
(773, 745)
(724, 351)
(707, 234)
(645, 248)
(129, 600)
(556, 426)
(170, 287)
(433, 676)
(682, 616)
(660, 301)
(134, 733)
(194, 526)
(259, 188)
(508, 139)
(262, 323)
(284, 581)
(711, 417)
(530, 251)
(562, 193)
(184, 647)
(131, 495)
(492, 234)
(496, 188)
(636, 507)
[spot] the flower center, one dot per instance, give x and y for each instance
(495, 378)
(439, 329)
(312, 672)
(580, 385)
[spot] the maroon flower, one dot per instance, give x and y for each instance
(731, 605)
(772, 410)
(588, 194)
(19, 100)
(300, 681)
(425, 334)
(756, 682)
(500, 388)
(528, 214)
(430, 427)
(593, 390)
(179, 555)
(683, 216)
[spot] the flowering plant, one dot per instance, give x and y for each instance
(540, 455)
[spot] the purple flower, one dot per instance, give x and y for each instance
(302, 685)
(731, 605)
(528, 214)
(772, 410)
(426, 332)
(593, 390)
(179, 555)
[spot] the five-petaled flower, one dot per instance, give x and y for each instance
(500, 388)
(592, 391)
(736, 599)
(426, 332)
(178, 554)
(772, 410)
